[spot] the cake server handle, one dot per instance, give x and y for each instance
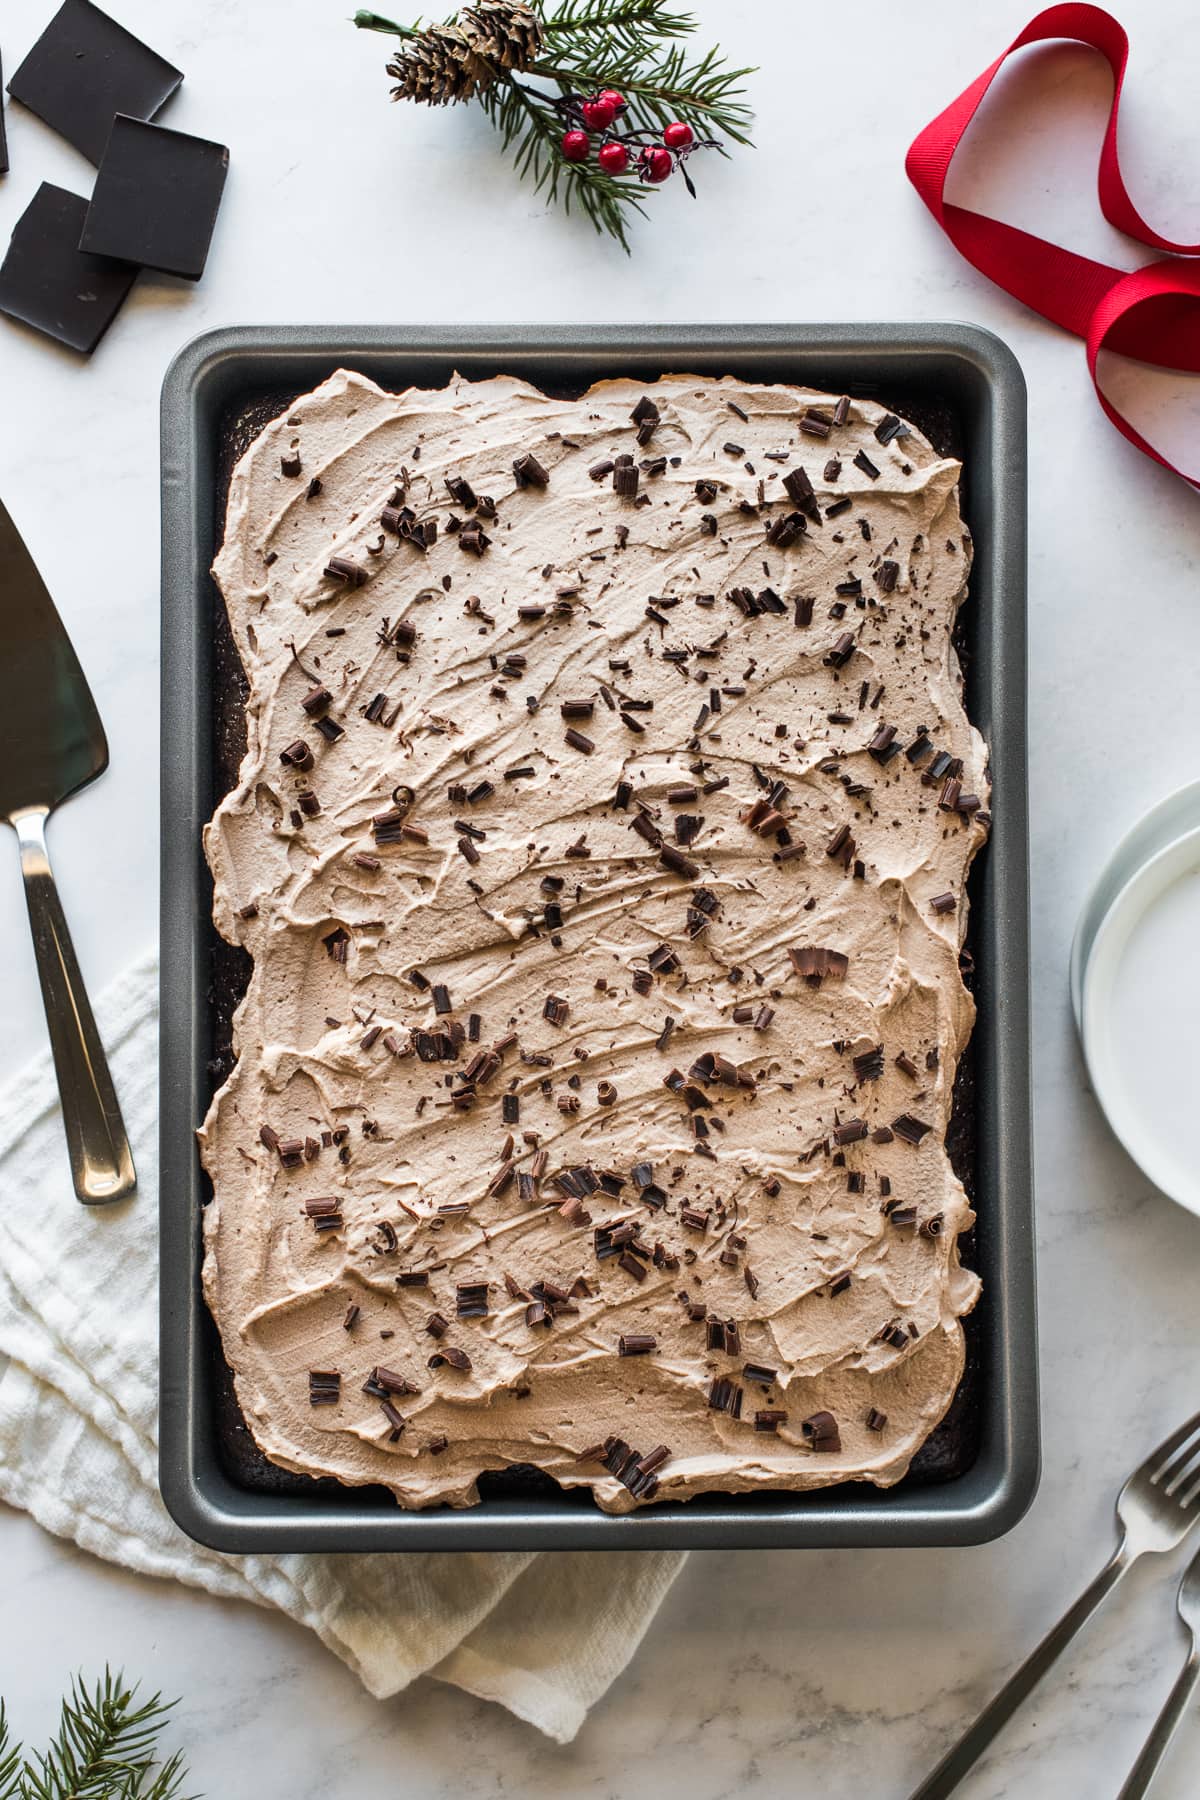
(97, 1145)
(974, 1741)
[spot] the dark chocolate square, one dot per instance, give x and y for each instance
(84, 69)
(156, 198)
(48, 282)
(3, 136)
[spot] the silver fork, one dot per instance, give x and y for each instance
(1155, 1512)
(1175, 1705)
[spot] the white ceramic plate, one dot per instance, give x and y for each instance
(1135, 988)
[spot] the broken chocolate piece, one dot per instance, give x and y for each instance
(529, 471)
(908, 1129)
(815, 963)
(84, 70)
(46, 280)
(156, 198)
(821, 1431)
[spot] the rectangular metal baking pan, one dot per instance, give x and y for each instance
(981, 380)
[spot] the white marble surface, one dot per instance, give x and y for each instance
(842, 1674)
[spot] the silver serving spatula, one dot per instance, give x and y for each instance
(51, 744)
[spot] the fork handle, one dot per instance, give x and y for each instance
(1163, 1730)
(97, 1146)
(971, 1745)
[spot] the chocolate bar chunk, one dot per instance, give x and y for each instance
(156, 198)
(84, 69)
(48, 282)
(3, 138)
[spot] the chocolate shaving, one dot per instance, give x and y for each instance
(840, 651)
(760, 1373)
(821, 1432)
(678, 863)
(725, 1396)
(346, 570)
(529, 471)
(910, 1130)
(814, 963)
(890, 427)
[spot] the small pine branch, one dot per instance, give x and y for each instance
(613, 15)
(105, 1749)
(586, 46)
(10, 1762)
(703, 93)
(603, 199)
(613, 25)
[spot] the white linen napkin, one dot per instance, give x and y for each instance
(544, 1634)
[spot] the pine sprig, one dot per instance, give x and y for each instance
(106, 1748)
(587, 46)
(525, 119)
(619, 24)
(703, 93)
(10, 1762)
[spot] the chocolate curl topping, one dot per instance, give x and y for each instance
(814, 964)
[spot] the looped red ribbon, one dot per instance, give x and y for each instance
(1152, 313)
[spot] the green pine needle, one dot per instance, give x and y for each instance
(619, 24)
(106, 1748)
(10, 1761)
(631, 45)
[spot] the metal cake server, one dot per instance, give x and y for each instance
(51, 744)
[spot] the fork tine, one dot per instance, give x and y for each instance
(1186, 1499)
(1184, 1466)
(1160, 1461)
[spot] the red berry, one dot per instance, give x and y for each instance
(613, 159)
(575, 146)
(614, 99)
(656, 162)
(598, 114)
(679, 136)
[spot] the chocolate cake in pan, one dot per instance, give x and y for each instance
(591, 887)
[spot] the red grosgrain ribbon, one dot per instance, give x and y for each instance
(1152, 313)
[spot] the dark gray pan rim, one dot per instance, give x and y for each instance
(983, 379)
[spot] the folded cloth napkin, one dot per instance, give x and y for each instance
(544, 1634)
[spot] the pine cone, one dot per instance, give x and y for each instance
(456, 62)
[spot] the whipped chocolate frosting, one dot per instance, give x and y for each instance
(601, 846)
